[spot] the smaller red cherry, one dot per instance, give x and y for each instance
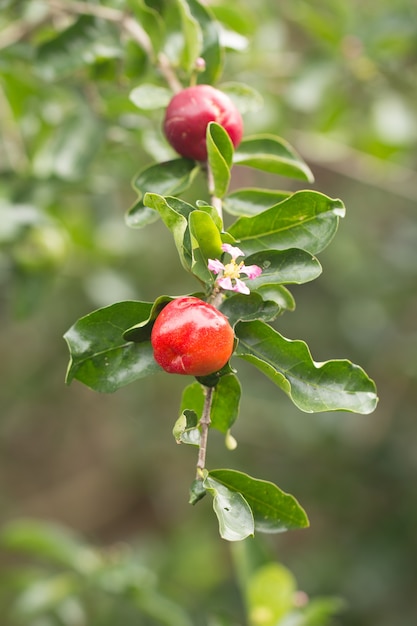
(191, 337)
(189, 113)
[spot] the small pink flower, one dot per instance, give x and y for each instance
(229, 273)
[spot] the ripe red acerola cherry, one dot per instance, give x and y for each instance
(188, 115)
(191, 337)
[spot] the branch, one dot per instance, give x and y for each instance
(205, 425)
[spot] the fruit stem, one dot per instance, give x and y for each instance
(216, 202)
(204, 425)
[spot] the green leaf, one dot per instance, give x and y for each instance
(84, 42)
(293, 266)
(211, 50)
(186, 430)
(313, 387)
(151, 22)
(165, 179)
(278, 294)
(100, 356)
(192, 36)
(193, 399)
(148, 97)
(246, 98)
(142, 330)
(306, 220)
(272, 154)
(49, 542)
(174, 214)
(205, 243)
(233, 512)
(273, 510)
(270, 594)
(252, 201)
(242, 307)
(220, 155)
(225, 403)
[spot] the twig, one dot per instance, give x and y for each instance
(204, 424)
(216, 202)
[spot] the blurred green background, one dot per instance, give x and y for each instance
(339, 81)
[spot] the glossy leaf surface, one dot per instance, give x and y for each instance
(313, 387)
(306, 220)
(272, 154)
(249, 307)
(252, 201)
(225, 404)
(292, 266)
(100, 356)
(273, 510)
(165, 179)
(205, 243)
(220, 155)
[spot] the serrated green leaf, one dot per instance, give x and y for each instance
(272, 154)
(100, 356)
(252, 201)
(211, 50)
(233, 512)
(220, 155)
(165, 179)
(205, 244)
(270, 594)
(249, 307)
(245, 97)
(313, 387)
(293, 266)
(225, 403)
(273, 510)
(148, 97)
(307, 220)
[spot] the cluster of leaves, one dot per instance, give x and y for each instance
(278, 231)
(66, 580)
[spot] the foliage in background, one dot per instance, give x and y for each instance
(346, 92)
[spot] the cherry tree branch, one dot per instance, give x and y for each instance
(205, 425)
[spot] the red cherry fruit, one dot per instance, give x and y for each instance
(188, 115)
(191, 337)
